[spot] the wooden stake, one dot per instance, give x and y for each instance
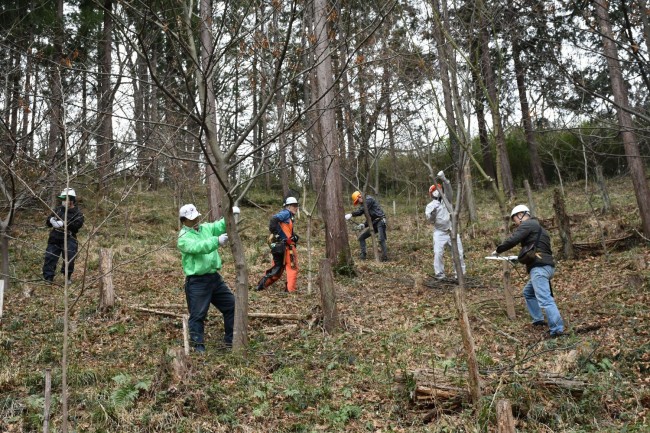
(106, 289)
(48, 400)
(507, 291)
(505, 421)
(186, 334)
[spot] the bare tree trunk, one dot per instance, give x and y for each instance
(531, 201)
(328, 297)
(336, 234)
(105, 138)
(563, 224)
(240, 339)
(645, 12)
(27, 91)
(539, 180)
(468, 343)
(4, 256)
(503, 168)
(486, 151)
(473, 378)
(602, 185)
(619, 90)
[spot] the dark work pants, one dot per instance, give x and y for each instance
(52, 253)
(200, 292)
(379, 228)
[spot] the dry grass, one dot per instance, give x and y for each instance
(296, 378)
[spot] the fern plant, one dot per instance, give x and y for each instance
(128, 390)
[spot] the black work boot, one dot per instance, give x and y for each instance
(260, 285)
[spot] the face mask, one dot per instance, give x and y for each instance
(64, 203)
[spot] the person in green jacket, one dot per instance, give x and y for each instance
(199, 244)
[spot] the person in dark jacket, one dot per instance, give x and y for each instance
(70, 213)
(282, 242)
(378, 220)
(537, 291)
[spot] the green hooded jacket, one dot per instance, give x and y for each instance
(199, 255)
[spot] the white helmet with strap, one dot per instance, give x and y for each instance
(519, 209)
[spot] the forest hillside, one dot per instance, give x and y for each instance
(397, 362)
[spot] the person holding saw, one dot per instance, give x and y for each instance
(282, 242)
(537, 291)
(437, 214)
(377, 218)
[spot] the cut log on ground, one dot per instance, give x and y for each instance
(622, 242)
(575, 387)
(281, 316)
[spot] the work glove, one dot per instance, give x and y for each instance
(223, 239)
(494, 253)
(441, 175)
(295, 238)
(235, 210)
(348, 216)
(56, 223)
(361, 226)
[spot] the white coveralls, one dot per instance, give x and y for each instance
(436, 213)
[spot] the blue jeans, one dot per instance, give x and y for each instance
(200, 292)
(537, 293)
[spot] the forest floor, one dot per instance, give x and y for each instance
(399, 332)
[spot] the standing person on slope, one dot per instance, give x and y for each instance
(437, 214)
(199, 244)
(282, 241)
(378, 221)
(537, 291)
(68, 211)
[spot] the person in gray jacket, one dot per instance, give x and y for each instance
(437, 214)
(537, 291)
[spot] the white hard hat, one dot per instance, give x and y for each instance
(290, 200)
(67, 192)
(188, 211)
(518, 209)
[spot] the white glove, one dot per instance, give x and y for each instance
(494, 253)
(223, 239)
(235, 210)
(348, 216)
(361, 226)
(441, 175)
(56, 223)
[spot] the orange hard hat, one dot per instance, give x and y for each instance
(355, 197)
(434, 187)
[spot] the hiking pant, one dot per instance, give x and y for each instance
(52, 253)
(200, 292)
(442, 239)
(289, 264)
(380, 228)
